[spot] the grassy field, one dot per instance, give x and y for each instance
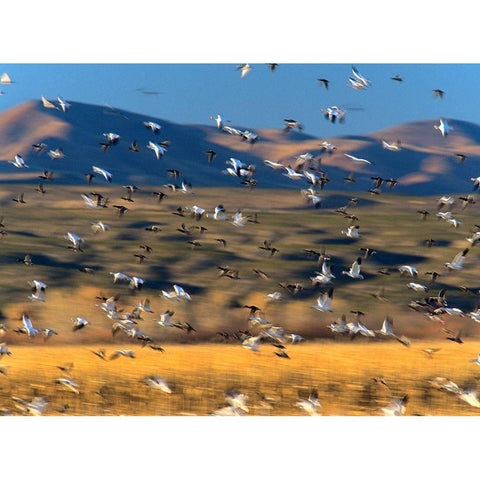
(200, 374)
(389, 224)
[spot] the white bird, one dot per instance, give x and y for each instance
(360, 161)
(239, 220)
(237, 400)
(458, 261)
(181, 293)
(412, 271)
(89, 202)
(443, 127)
(274, 165)
(27, 327)
(112, 138)
(155, 127)
(158, 149)
(323, 277)
(417, 287)
(119, 277)
(476, 360)
(453, 222)
(18, 162)
(360, 78)
(228, 411)
(5, 79)
(165, 319)
(293, 338)
(245, 68)
(56, 154)
(476, 182)
(76, 240)
(157, 383)
(69, 384)
(352, 232)
(470, 397)
(252, 343)
(136, 283)
(363, 330)
(79, 323)
(219, 213)
(311, 405)
(397, 407)
(394, 147)
(219, 121)
(144, 306)
(354, 271)
(292, 174)
(38, 290)
(104, 173)
(387, 328)
(4, 350)
(100, 227)
(63, 104)
(48, 104)
(274, 297)
(324, 301)
(339, 327)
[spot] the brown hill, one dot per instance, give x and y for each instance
(425, 165)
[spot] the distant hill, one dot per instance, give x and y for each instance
(425, 165)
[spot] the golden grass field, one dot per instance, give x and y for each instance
(200, 374)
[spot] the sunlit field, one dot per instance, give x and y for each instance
(199, 375)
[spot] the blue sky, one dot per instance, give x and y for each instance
(191, 93)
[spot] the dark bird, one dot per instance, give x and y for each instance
(461, 157)
(397, 78)
(156, 347)
(39, 147)
(40, 189)
(134, 147)
(105, 146)
(368, 252)
(27, 260)
(350, 178)
(19, 199)
(121, 210)
(457, 338)
(211, 155)
(434, 275)
(222, 241)
(430, 242)
(153, 228)
(147, 248)
(172, 173)
(324, 82)
(46, 175)
(391, 182)
(272, 66)
(261, 274)
(160, 196)
(281, 353)
(88, 270)
(90, 177)
(423, 214)
(140, 257)
(253, 309)
(100, 353)
(438, 93)
(384, 271)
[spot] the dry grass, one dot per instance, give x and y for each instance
(200, 374)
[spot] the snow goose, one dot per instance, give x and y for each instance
(359, 161)
(64, 106)
(38, 290)
(18, 162)
(311, 405)
(352, 232)
(245, 68)
(159, 149)
(324, 301)
(458, 261)
(157, 383)
(154, 127)
(76, 241)
(397, 407)
(107, 175)
(412, 271)
(417, 287)
(443, 127)
(68, 384)
(27, 327)
(354, 271)
(100, 227)
(79, 323)
(292, 174)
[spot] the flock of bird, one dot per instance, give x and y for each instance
(305, 168)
